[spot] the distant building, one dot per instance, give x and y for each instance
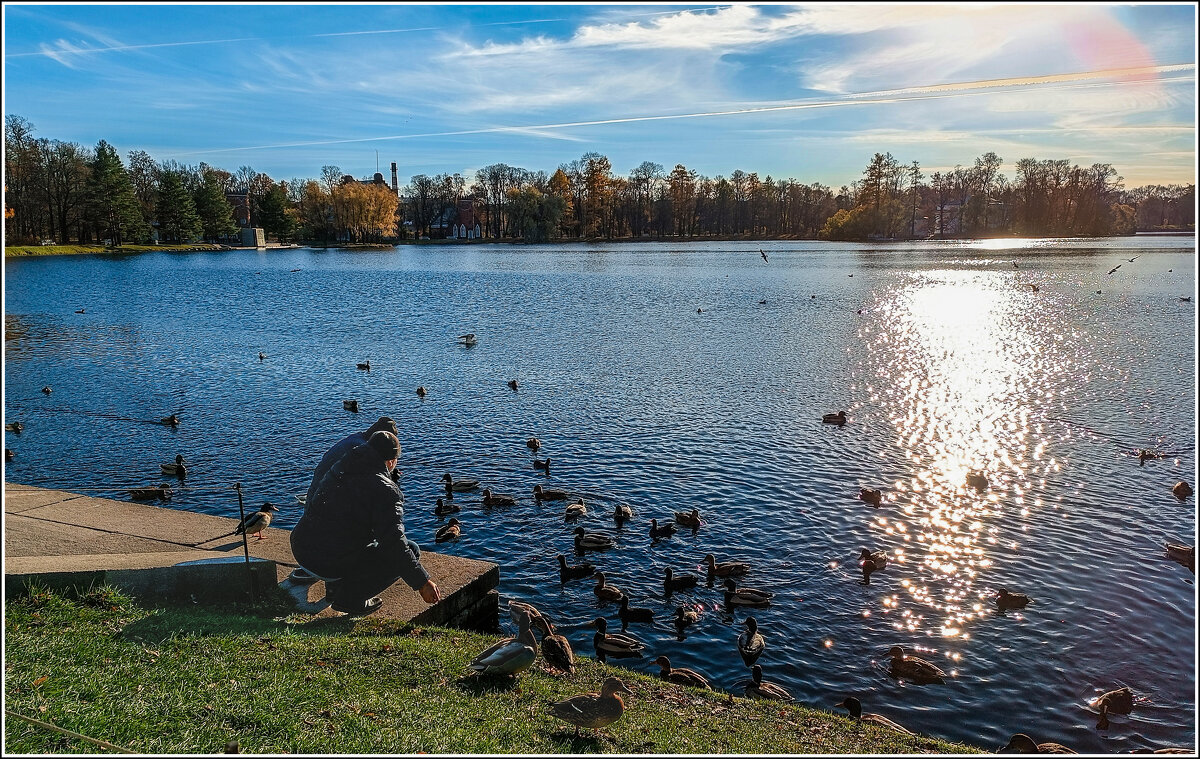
(463, 225)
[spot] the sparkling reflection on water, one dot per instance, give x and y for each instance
(945, 358)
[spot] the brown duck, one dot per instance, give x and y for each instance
(593, 710)
(679, 676)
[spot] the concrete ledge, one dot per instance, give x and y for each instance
(194, 575)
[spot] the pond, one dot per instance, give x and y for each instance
(677, 376)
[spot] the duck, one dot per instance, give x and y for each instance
(685, 519)
(621, 512)
(179, 469)
(163, 492)
(592, 541)
(673, 582)
(350, 405)
(542, 464)
(913, 668)
(751, 643)
(421, 391)
(685, 616)
(593, 710)
(1145, 455)
(536, 618)
(512, 384)
(873, 497)
(606, 592)
(681, 676)
(871, 561)
(9, 454)
(81, 311)
(442, 508)
(725, 568)
(1181, 490)
(575, 510)
(510, 656)
(977, 480)
(449, 531)
(614, 644)
(1185, 555)
(170, 421)
(1119, 701)
(467, 339)
(261, 355)
(735, 596)
(458, 485)
(549, 494)
(1006, 600)
(574, 571)
(255, 523)
(365, 365)
(16, 427)
(839, 418)
(497, 499)
(556, 650)
(533, 444)
(666, 531)
(629, 613)
(855, 708)
(1021, 743)
(47, 390)
(765, 691)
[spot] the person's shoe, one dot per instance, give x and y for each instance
(302, 576)
(370, 606)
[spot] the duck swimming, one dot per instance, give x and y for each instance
(913, 668)
(685, 616)
(607, 592)
(873, 497)
(178, 468)
(735, 596)
(512, 384)
(542, 464)
(727, 568)
(365, 365)
(497, 499)
(16, 427)
(1006, 600)
(575, 510)
(449, 531)
(871, 561)
(673, 582)
(574, 571)
(1181, 490)
(751, 643)
(421, 391)
(977, 480)
(684, 519)
(629, 613)
(839, 418)
(1119, 701)
(614, 644)
(855, 708)
(666, 531)
(442, 508)
(1185, 555)
(459, 485)
(533, 444)
(549, 494)
(621, 512)
(592, 541)
(680, 676)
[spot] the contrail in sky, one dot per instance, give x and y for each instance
(930, 92)
(50, 53)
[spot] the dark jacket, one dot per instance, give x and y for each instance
(355, 503)
(331, 457)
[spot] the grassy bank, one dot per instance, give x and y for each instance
(74, 250)
(187, 680)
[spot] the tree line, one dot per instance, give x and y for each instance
(68, 192)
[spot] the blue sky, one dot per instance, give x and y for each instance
(808, 92)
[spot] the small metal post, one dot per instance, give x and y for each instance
(245, 544)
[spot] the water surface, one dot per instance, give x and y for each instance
(655, 376)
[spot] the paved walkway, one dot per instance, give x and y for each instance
(44, 529)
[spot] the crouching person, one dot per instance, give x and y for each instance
(352, 532)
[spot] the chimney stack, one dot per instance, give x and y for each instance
(395, 183)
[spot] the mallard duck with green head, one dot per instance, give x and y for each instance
(592, 541)
(725, 568)
(735, 596)
(614, 644)
(751, 642)
(606, 592)
(574, 571)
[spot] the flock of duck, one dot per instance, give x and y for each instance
(512, 656)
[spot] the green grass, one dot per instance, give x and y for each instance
(189, 679)
(64, 250)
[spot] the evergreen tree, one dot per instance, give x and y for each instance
(112, 206)
(274, 214)
(214, 211)
(177, 219)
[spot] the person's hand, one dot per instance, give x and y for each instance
(429, 592)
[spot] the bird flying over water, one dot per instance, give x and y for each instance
(764, 254)
(1113, 269)
(1131, 260)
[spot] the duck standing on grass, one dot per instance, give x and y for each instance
(510, 656)
(556, 649)
(766, 691)
(1023, 744)
(855, 708)
(256, 522)
(593, 710)
(680, 676)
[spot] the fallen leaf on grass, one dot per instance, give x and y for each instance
(40, 680)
